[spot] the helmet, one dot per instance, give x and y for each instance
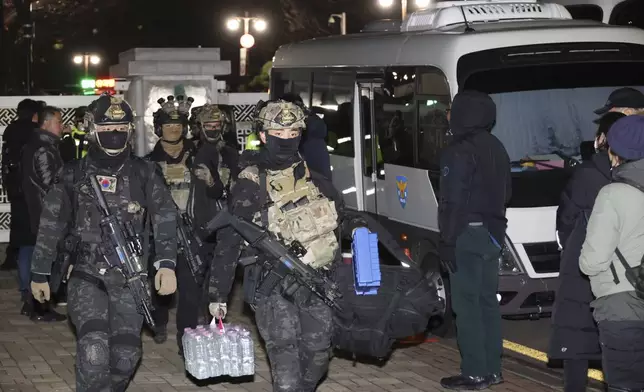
(211, 114)
(279, 114)
(108, 110)
(172, 112)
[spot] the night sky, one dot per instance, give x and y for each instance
(108, 27)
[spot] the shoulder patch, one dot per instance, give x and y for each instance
(250, 173)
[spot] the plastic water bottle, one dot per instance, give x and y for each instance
(201, 368)
(224, 348)
(188, 352)
(235, 357)
(247, 353)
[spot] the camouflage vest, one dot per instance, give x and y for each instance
(177, 176)
(299, 212)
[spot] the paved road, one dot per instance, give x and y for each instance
(39, 357)
(529, 333)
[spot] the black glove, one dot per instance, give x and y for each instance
(447, 254)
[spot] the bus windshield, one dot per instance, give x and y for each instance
(545, 111)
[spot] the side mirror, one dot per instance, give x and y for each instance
(587, 149)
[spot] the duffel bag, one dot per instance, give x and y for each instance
(368, 325)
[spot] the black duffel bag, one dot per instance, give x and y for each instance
(368, 325)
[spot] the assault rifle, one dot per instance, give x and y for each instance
(190, 244)
(284, 264)
(129, 252)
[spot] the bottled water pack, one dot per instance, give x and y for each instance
(218, 350)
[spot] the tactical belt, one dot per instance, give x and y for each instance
(89, 279)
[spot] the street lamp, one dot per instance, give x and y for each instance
(419, 4)
(343, 21)
(87, 59)
(247, 40)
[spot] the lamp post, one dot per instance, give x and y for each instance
(247, 40)
(343, 21)
(420, 4)
(87, 59)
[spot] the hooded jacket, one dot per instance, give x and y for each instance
(314, 148)
(475, 183)
(617, 221)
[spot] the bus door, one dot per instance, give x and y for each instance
(371, 162)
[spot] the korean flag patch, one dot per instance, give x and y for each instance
(107, 183)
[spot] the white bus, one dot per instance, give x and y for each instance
(390, 86)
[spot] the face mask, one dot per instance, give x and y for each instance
(282, 151)
(212, 136)
(112, 140)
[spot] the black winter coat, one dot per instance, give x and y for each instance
(574, 333)
(14, 139)
(41, 163)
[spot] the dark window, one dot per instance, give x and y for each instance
(395, 116)
(586, 12)
(433, 102)
(293, 81)
(628, 13)
(332, 100)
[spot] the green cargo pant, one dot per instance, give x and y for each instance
(473, 289)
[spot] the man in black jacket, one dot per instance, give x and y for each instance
(14, 139)
(41, 162)
(475, 187)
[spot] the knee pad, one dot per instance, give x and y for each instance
(93, 350)
(125, 354)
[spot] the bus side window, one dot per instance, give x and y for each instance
(332, 101)
(433, 101)
(395, 114)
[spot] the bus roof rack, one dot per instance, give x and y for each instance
(450, 13)
(382, 25)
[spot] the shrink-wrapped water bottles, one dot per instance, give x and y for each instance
(218, 350)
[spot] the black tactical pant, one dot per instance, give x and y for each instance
(298, 340)
(473, 289)
(108, 329)
(189, 301)
(622, 344)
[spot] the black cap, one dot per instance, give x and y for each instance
(625, 97)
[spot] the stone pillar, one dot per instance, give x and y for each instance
(158, 72)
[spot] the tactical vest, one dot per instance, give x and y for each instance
(123, 190)
(298, 212)
(177, 176)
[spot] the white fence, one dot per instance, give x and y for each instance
(243, 104)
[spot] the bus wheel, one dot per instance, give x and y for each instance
(425, 253)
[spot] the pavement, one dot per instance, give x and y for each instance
(40, 357)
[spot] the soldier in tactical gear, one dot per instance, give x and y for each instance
(216, 162)
(100, 304)
(277, 190)
(175, 154)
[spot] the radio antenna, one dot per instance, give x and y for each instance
(468, 29)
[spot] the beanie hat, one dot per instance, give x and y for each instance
(626, 137)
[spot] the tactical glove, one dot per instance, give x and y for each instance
(218, 309)
(165, 281)
(203, 173)
(40, 291)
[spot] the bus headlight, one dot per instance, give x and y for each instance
(509, 263)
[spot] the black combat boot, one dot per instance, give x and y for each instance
(161, 334)
(42, 312)
(466, 383)
(496, 379)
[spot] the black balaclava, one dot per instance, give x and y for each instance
(281, 153)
